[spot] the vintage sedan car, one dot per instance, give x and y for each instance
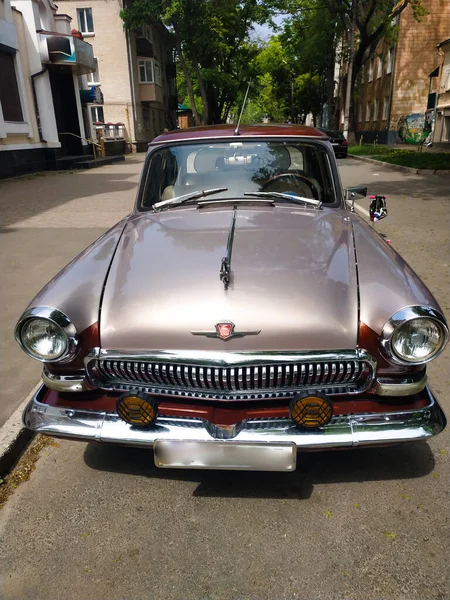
(240, 313)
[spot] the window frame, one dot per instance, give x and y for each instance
(379, 67)
(385, 108)
(371, 70)
(156, 71)
(81, 12)
(368, 111)
(142, 63)
(96, 80)
(376, 109)
(389, 61)
(22, 127)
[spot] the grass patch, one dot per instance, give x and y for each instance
(407, 158)
(24, 468)
(368, 150)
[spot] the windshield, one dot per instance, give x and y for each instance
(239, 167)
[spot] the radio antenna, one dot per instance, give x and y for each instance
(236, 131)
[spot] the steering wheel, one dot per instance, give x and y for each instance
(312, 186)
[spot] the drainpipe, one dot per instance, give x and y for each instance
(36, 107)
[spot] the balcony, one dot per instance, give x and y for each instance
(150, 92)
(62, 49)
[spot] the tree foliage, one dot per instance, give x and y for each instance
(212, 43)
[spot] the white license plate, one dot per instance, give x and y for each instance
(335, 143)
(231, 455)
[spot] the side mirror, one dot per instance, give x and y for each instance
(352, 191)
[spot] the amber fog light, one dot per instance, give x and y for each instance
(311, 411)
(137, 409)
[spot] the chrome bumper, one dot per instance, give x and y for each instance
(343, 431)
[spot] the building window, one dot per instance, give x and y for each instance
(379, 67)
(389, 62)
(446, 131)
(371, 70)
(146, 117)
(94, 78)
(149, 71)
(145, 71)
(368, 112)
(97, 114)
(85, 21)
(9, 90)
(145, 32)
(375, 109)
(359, 112)
(385, 108)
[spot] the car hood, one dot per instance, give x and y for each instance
(293, 279)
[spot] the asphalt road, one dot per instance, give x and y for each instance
(97, 522)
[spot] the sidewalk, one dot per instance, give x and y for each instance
(47, 219)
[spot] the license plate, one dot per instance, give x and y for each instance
(234, 456)
(335, 143)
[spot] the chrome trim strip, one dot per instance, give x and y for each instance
(66, 383)
(343, 431)
(407, 314)
(388, 387)
(55, 316)
(224, 359)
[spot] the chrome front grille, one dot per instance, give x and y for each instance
(235, 381)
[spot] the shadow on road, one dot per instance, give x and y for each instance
(27, 197)
(407, 461)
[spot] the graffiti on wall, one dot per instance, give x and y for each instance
(415, 128)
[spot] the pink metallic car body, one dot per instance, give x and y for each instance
(311, 303)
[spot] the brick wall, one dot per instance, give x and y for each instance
(417, 57)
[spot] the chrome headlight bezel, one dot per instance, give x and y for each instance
(403, 316)
(58, 318)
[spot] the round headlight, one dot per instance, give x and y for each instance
(43, 339)
(417, 340)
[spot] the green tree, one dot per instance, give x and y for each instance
(212, 44)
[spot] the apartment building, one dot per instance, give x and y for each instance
(135, 72)
(393, 88)
(40, 107)
(442, 95)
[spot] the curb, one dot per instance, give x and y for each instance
(401, 167)
(14, 436)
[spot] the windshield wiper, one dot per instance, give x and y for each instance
(190, 196)
(291, 198)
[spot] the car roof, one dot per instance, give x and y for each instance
(227, 131)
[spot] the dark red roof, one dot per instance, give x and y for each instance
(223, 131)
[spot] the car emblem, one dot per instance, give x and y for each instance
(225, 331)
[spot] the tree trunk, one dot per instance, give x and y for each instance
(330, 90)
(202, 88)
(187, 76)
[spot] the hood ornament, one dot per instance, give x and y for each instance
(225, 331)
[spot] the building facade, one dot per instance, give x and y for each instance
(134, 70)
(40, 106)
(392, 91)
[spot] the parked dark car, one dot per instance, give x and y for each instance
(338, 141)
(240, 313)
